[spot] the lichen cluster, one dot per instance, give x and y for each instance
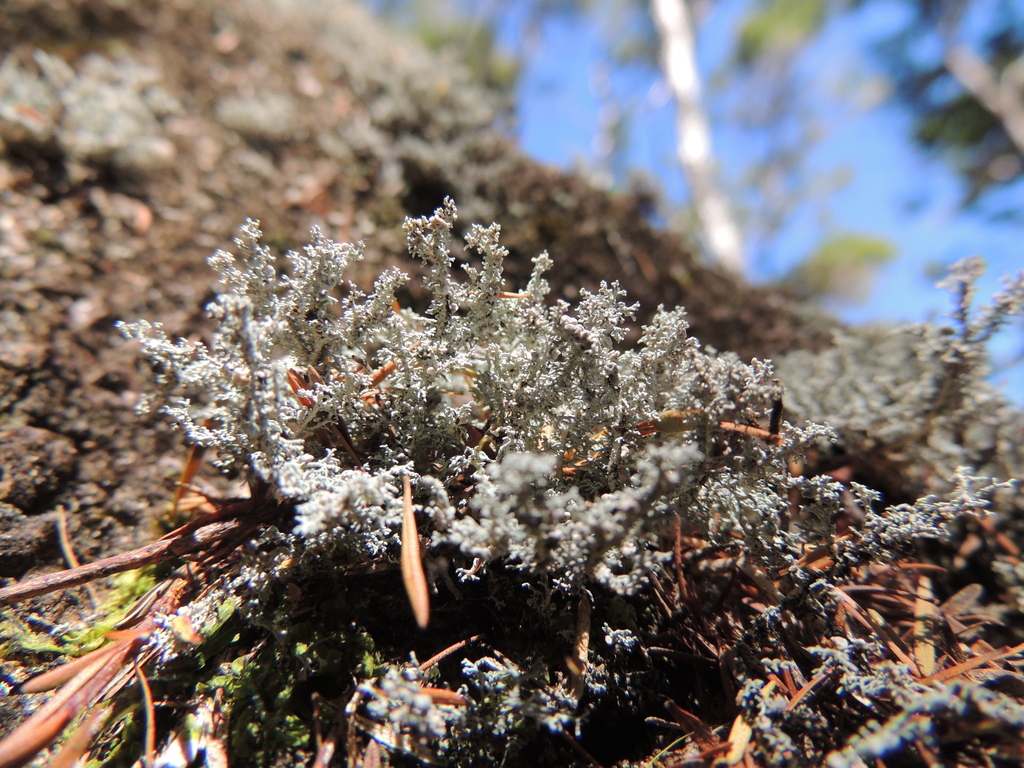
(645, 491)
(522, 424)
(107, 112)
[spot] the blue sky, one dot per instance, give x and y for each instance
(895, 190)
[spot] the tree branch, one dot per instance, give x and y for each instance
(999, 98)
(197, 535)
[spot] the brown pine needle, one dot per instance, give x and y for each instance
(739, 739)
(578, 748)
(703, 734)
(437, 657)
(297, 384)
(56, 677)
(47, 723)
(65, 540)
(970, 664)
(988, 524)
(443, 697)
(772, 677)
(387, 369)
(892, 640)
(188, 473)
(77, 744)
(69, 552)
(874, 622)
(383, 372)
(925, 617)
(813, 683)
(412, 565)
(774, 438)
(149, 742)
(578, 661)
(198, 534)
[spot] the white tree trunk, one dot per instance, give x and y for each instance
(679, 62)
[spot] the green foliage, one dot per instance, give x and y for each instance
(779, 27)
(18, 637)
(446, 30)
(843, 267)
(77, 641)
(948, 119)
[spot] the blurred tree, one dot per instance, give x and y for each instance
(468, 31)
(716, 224)
(958, 65)
(843, 266)
(663, 37)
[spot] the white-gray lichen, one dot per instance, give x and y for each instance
(534, 407)
(101, 112)
(535, 441)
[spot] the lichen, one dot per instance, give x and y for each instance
(544, 453)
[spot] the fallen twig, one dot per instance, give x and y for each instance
(186, 539)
